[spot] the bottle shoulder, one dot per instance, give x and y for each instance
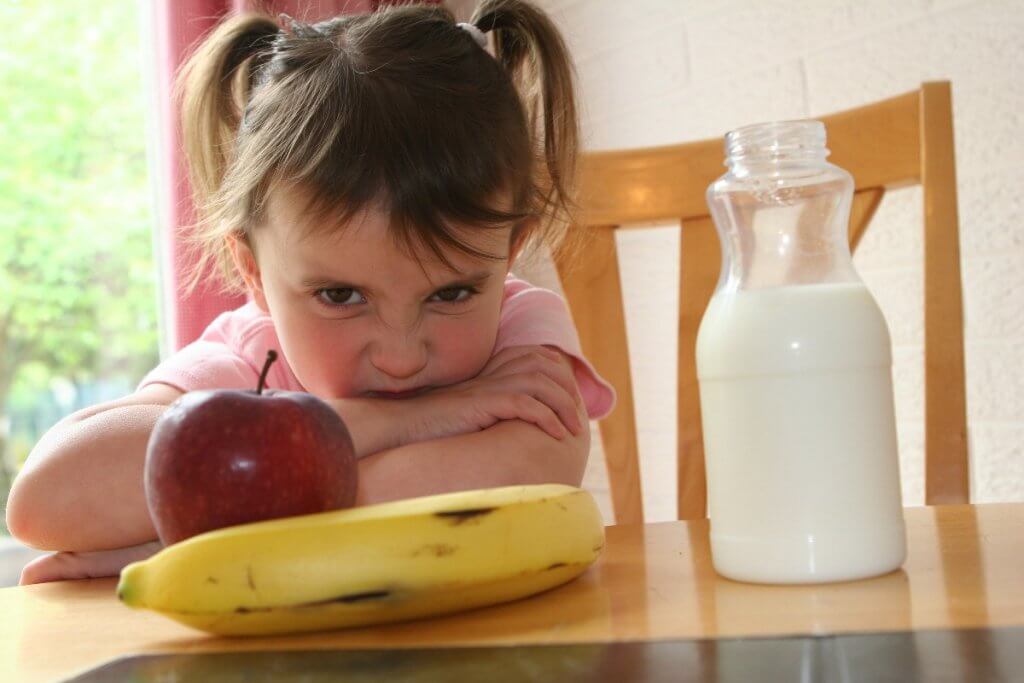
(792, 329)
(763, 177)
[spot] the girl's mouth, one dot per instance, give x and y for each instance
(396, 394)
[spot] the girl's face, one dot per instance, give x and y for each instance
(358, 317)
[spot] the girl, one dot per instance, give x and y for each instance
(368, 181)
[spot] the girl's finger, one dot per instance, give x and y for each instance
(505, 356)
(529, 409)
(554, 396)
(558, 370)
(540, 388)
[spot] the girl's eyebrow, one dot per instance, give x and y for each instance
(476, 279)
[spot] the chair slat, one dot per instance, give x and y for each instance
(700, 263)
(946, 468)
(594, 291)
(865, 203)
(879, 144)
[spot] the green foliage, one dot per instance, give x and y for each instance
(77, 280)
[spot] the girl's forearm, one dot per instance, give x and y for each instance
(82, 487)
(509, 453)
(373, 424)
(61, 566)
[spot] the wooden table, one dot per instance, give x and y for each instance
(965, 569)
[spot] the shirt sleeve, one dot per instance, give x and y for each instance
(204, 365)
(533, 316)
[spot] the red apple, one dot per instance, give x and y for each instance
(226, 457)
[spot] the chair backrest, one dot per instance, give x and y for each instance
(897, 142)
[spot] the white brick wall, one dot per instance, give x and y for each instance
(664, 71)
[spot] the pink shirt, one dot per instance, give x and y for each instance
(231, 351)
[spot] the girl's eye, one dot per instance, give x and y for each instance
(339, 296)
(452, 295)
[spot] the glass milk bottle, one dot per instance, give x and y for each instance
(794, 365)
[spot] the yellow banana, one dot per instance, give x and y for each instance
(380, 563)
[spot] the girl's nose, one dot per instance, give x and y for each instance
(399, 356)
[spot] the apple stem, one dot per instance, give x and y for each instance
(271, 357)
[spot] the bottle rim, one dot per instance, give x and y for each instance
(777, 141)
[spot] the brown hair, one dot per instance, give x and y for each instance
(401, 107)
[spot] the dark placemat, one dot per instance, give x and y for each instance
(956, 655)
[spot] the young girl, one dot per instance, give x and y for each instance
(368, 181)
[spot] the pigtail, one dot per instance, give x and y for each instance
(531, 49)
(214, 87)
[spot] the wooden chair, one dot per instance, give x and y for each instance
(897, 142)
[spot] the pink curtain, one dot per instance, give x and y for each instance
(179, 25)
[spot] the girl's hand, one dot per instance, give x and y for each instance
(85, 565)
(534, 384)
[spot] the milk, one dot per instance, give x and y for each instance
(799, 434)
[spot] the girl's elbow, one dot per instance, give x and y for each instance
(563, 461)
(38, 511)
(24, 521)
(578, 453)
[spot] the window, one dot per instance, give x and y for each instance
(78, 284)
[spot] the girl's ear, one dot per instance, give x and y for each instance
(245, 261)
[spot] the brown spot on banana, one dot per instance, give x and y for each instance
(361, 597)
(435, 549)
(347, 599)
(457, 517)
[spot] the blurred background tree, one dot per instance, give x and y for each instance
(78, 300)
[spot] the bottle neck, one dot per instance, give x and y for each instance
(780, 148)
(782, 209)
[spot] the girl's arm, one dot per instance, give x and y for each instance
(63, 466)
(81, 487)
(89, 565)
(509, 453)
